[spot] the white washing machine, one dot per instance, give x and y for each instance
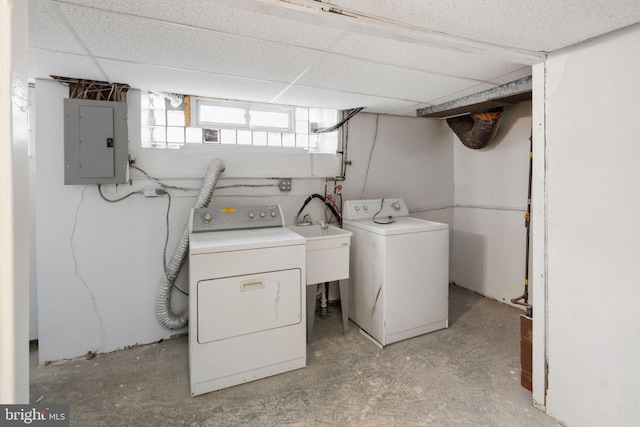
(246, 297)
(399, 270)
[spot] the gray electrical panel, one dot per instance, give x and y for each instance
(96, 142)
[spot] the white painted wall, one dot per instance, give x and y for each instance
(99, 263)
(593, 181)
(488, 252)
(405, 157)
(14, 204)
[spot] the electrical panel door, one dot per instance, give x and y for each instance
(96, 142)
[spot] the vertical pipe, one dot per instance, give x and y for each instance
(528, 223)
(324, 290)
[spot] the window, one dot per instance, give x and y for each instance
(163, 126)
(235, 115)
(229, 123)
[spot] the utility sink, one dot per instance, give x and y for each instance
(327, 261)
(327, 252)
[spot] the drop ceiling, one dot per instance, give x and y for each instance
(391, 57)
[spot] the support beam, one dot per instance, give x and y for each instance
(539, 240)
(510, 93)
(14, 204)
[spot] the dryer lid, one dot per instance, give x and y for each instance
(402, 225)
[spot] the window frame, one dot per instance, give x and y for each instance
(154, 117)
(198, 122)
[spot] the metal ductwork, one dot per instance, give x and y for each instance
(476, 130)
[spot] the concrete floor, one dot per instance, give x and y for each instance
(466, 375)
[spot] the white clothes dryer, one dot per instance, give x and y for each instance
(399, 270)
(246, 297)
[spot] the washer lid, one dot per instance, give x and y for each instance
(237, 240)
(402, 225)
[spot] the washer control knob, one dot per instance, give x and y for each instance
(207, 218)
(357, 208)
(273, 214)
(251, 214)
(262, 214)
(395, 206)
(365, 207)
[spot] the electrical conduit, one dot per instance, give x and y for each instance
(164, 314)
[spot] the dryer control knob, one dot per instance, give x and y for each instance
(207, 218)
(251, 214)
(357, 208)
(365, 207)
(273, 214)
(395, 206)
(262, 214)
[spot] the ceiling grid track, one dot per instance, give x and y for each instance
(73, 31)
(335, 41)
(319, 12)
(391, 58)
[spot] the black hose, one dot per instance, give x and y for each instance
(340, 123)
(326, 203)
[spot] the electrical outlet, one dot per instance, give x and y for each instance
(153, 191)
(284, 184)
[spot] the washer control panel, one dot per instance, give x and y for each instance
(235, 218)
(355, 210)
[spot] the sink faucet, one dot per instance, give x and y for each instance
(306, 220)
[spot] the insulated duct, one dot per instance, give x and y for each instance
(476, 130)
(164, 314)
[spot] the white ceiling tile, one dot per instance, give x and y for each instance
(326, 98)
(43, 63)
(544, 25)
(204, 48)
(207, 14)
(157, 43)
(162, 79)
(509, 77)
(408, 111)
(48, 31)
(389, 106)
(423, 58)
(452, 96)
(356, 76)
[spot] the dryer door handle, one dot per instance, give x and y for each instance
(252, 285)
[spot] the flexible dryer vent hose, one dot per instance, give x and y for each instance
(476, 130)
(163, 298)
